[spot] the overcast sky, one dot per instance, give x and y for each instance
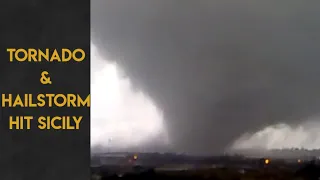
(217, 69)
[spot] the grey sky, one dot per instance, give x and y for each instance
(217, 68)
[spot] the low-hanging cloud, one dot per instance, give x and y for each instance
(217, 69)
(281, 136)
(122, 118)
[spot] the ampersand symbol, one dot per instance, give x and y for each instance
(45, 79)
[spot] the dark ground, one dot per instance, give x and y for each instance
(217, 174)
(309, 171)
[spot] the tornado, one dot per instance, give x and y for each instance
(226, 74)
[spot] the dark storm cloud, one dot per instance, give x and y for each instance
(217, 68)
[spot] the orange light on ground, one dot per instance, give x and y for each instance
(267, 161)
(135, 157)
